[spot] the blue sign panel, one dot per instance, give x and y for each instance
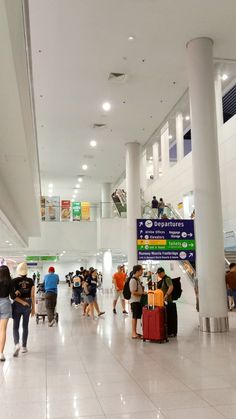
(165, 240)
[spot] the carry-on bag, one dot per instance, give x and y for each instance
(172, 319)
(156, 298)
(154, 324)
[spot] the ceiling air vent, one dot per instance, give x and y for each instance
(99, 126)
(118, 77)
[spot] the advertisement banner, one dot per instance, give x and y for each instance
(165, 240)
(65, 210)
(76, 211)
(52, 208)
(85, 210)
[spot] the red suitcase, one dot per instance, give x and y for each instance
(154, 324)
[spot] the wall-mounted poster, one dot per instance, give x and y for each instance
(76, 211)
(65, 210)
(85, 210)
(42, 202)
(52, 208)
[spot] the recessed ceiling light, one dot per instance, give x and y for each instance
(224, 77)
(80, 179)
(131, 38)
(75, 191)
(187, 118)
(73, 200)
(106, 106)
(74, 196)
(50, 185)
(7, 241)
(85, 166)
(170, 137)
(50, 195)
(93, 143)
(77, 185)
(10, 244)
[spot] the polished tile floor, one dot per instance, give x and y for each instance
(92, 369)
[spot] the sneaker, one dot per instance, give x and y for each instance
(2, 357)
(17, 350)
(125, 312)
(114, 310)
(52, 323)
(24, 350)
(101, 313)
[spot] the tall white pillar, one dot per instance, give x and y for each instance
(133, 199)
(143, 170)
(106, 200)
(179, 137)
(107, 270)
(165, 158)
(155, 154)
(207, 194)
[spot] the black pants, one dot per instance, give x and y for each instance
(51, 302)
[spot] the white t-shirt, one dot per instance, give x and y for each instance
(135, 285)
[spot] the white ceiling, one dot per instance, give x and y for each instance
(81, 42)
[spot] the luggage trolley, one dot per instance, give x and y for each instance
(41, 312)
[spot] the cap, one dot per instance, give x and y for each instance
(22, 269)
(51, 269)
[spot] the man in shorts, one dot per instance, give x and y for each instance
(119, 279)
(137, 291)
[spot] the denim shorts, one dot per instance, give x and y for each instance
(5, 308)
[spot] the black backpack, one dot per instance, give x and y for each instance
(177, 291)
(126, 290)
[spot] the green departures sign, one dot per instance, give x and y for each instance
(42, 258)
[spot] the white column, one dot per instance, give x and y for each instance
(207, 194)
(107, 270)
(155, 154)
(219, 104)
(165, 159)
(179, 137)
(106, 200)
(143, 170)
(133, 199)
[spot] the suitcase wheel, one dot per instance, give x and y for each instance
(144, 340)
(44, 319)
(57, 317)
(37, 319)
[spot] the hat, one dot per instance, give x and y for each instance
(51, 269)
(22, 269)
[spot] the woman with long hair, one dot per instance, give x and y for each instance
(6, 290)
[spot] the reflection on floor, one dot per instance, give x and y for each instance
(92, 369)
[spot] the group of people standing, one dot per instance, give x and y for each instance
(84, 289)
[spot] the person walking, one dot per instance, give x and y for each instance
(23, 306)
(6, 290)
(90, 287)
(231, 284)
(137, 291)
(119, 279)
(51, 281)
(76, 281)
